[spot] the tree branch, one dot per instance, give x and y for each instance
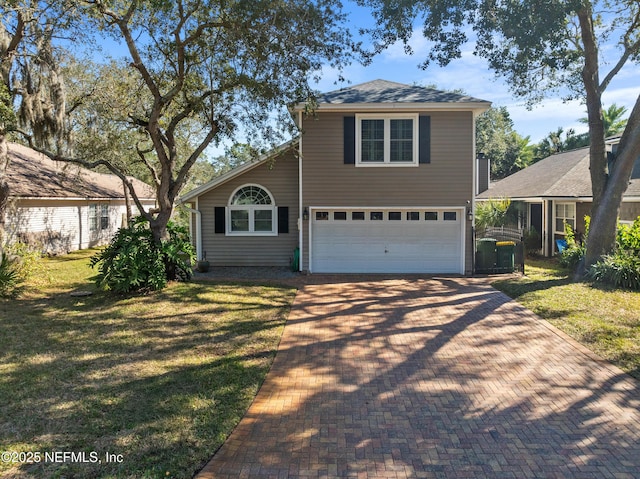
(142, 154)
(629, 50)
(182, 174)
(91, 165)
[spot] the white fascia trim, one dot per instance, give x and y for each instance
(476, 107)
(568, 199)
(63, 198)
(534, 199)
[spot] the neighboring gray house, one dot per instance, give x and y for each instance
(59, 207)
(556, 190)
(381, 180)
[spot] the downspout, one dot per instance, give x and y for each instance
(300, 208)
(198, 235)
(545, 229)
(474, 187)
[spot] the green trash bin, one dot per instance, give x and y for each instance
(505, 252)
(486, 255)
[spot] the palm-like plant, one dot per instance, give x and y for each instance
(613, 120)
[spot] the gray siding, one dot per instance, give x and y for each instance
(629, 211)
(446, 181)
(280, 178)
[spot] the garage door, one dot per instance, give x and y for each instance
(387, 240)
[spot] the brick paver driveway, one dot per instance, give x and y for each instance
(446, 378)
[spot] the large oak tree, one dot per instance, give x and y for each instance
(198, 71)
(540, 47)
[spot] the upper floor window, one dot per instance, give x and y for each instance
(387, 140)
(252, 211)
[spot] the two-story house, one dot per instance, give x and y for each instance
(382, 179)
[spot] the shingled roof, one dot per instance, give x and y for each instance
(33, 175)
(383, 93)
(563, 175)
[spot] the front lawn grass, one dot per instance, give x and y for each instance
(605, 320)
(157, 381)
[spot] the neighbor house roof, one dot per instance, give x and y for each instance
(34, 175)
(563, 175)
(383, 94)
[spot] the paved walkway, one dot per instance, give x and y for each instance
(431, 378)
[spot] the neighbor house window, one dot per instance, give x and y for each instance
(98, 217)
(104, 217)
(252, 211)
(387, 140)
(565, 213)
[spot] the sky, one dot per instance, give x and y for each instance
(472, 75)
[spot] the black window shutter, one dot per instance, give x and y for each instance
(424, 144)
(349, 140)
(219, 219)
(283, 219)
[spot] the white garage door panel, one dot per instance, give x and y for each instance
(387, 246)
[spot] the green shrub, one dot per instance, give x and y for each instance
(571, 256)
(17, 263)
(134, 262)
(10, 284)
(575, 250)
(621, 269)
(532, 241)
(628, 237)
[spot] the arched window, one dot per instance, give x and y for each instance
(252, 211)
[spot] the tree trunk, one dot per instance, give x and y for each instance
(159, 227)
(604, 219)
(604, 215)
(127, 202)
(591, 80)
(4, 186)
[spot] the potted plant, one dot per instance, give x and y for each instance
(203, 265)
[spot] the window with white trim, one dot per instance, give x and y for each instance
(252, 211)
(98, 217)
(387, 140)
(565, 213)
